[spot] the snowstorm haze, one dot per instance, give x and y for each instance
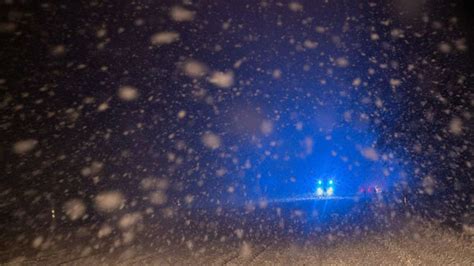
(236, 132)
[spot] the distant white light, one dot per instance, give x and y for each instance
(330, 191)
(319, 192)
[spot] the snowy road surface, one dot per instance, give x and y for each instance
(423, 246)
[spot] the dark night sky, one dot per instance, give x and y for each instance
(367, 93)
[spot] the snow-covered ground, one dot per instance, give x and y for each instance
(419, 245)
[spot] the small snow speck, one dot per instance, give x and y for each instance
(211, 140)
(370, 154)
(194, 69)
(455, 126)
(356, 82)
(395, 82)
(295, 7)
(74, 209)
(266, 127)
(109, 201)
(158, 198)
(222, 79)
(245, 250)
(128, 220)
(444, 47)
(165, 37)
(128, 93)
(103, 106)
(342, 62)
(24, 146)
(310, 44)
(181, 14)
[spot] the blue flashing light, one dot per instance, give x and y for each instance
(320, 182)
(331, 182)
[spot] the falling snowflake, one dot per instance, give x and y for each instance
(24, 146)
(165, 37)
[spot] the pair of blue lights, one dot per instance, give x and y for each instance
(329, 188)
(330, 182)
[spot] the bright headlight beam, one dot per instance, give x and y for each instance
(330, 191)
(319, 192)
